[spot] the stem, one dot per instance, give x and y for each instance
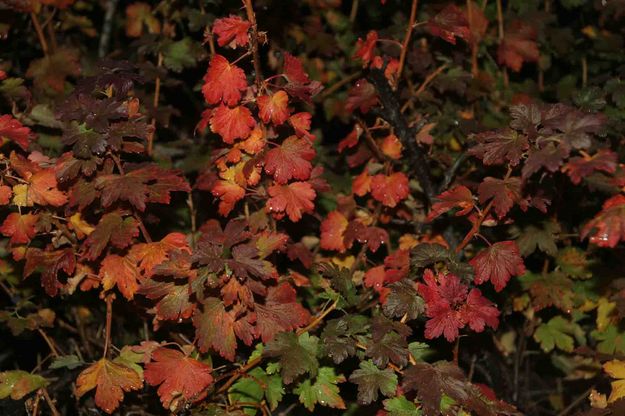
(109, 319)
(371, 143)
(474, 45)
(105, 37)
(157, 93)
(49, 342)
(255, 55)
(313, 324)
(192, 214)
(330, 90)
(353, 12)
(42, 38)
(404, 49)
(501, 35)
(144, 230)
(49, 401)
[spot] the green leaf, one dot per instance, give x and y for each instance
(256, 387)
(611, 341)
(370, 379)
(17, 384)
(400, 406)
(420, 351)
(324, 391)
(543, 238)
(66, 361)
(557, 333)
(338, 336)
(296, 355)
(181, 54)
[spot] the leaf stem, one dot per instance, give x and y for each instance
(407, 36)
(109, 320)
(157, 93)
(40, 35)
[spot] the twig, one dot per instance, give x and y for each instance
(427, 81)
(50, 403)
(337, 85)
(42, 38)
(354, 11)
(157, 93)
(408, 35)
(144, 230)
(193, 213)
(313, 324)
(500, 33)
(107, 25)
(473, 39)
(451, 172)
(371, 142)
(576, 402)
(392, 114)
(255, 54)
(48, 341)
(109, 320)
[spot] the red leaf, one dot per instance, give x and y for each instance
(11, 129)
(518, 46)
(112, 228)
(374, 277)
(390, 190)
(231, 31)
(290, 160)
(457, 197)
(362, 96)
(120, 271)
(361, 184)
(178, 376)
(223, 81)
(280, 313)
(579, 167)
(49, 263)
(301, 125)
(608, 226)
(295, 199)
(294, 70)
(215, 329)
(20, 227)
(364, 48)
(5, 194)
(332, 228)
(478, 312)
(498, 263)
(449, 23)
(150, 255)
(504, 194)
(274, 108)
(232, 123)
(111, 380)
(230, 193)
(500, 146)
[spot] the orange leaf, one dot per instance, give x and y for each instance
(361, 184)
(120, 271)
(150, 255)
(332, 229)
(294, 199)
(11, 129)
(290, 160)
(232, 123)
(301, 125)
(223, 80)
(41, 189)
(229, 192)
(20, 227)
(273, 107)
(110, 380)
(391, 147)
(178, 376)
(390, 190)
(231, 31)
(137, 15)
(5, 194)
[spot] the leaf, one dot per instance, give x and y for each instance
(49, 263)
(607, 228)
(231, 31)
(499, 147)
(67, 361)
(296, 354)
(174, 303)
(110, 380)
(362, 96)
(281, 312)
(150, 255)
(388, 342)
(294, 199)
(20, 227)
(390, 190)
(503, 192)
(11, 129)
(403, 299)
(550, 157)
(274, 108)
(215, 329)
(457, 197)
(5, 194)
(616, 369)
(232, 123)
(148, 183)
(579, 167)
(113, 229)
(449, 23)
(299, 84)
(290, 160)
(181, 54)
(400, 406)
(433, 382)
(364, 48)
(557, 333)
(332, 229)
(41, 189)
(178, 375)
(339, 336)
(324, 391)
(16, 384)
(518, 45)
(223, 81)
(498, 263)
(543, 238)
(257, 386)
(140, 14)
(370, 379)
(552, 289)
(122, 272)
(51, 72)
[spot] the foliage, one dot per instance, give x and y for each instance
(337, 207)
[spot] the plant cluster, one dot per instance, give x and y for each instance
(240, 208)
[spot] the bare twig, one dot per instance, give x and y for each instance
(354, 11)
(40, 35)
(107, 25)
(50, 403)
(407, 36)
(251, 16)
(157, 93)
(109, 321)
(48, 341)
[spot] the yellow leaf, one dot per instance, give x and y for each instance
(80, 225)
(604, 310)
(20, 196)
(616, 369)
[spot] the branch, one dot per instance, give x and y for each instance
(451, 172)
(107, 26)
(392, 114)
(407, 36)
(255, 55)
